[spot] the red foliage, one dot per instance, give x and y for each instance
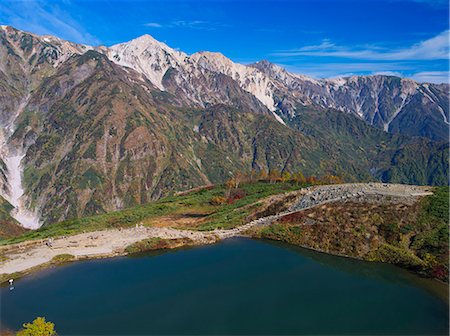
(295, 217)
(235, 194)
(440, 272)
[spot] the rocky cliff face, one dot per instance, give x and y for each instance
(389, 103)
(88, 130)
(396, 105)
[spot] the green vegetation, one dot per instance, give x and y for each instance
(143, 245)
(396, 255)
(279, 232)
(9, 227)
(62, 258)
(5, 208)
(227, 215)
(90, 151)
(39, 327)
(361, 152)
(432, 242)
(157, 244)
(26, 43)
(90, 179)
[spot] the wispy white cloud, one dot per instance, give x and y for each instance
(45, 18)
(192, 24)
(399, 69)
(189, 24)
(388, 73)
(435, 48)
(432, 77)
(325, 70)
(153, 25)
(323, 46)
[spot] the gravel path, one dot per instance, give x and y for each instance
(24, 256)
(317, 195)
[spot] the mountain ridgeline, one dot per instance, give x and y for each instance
(98, 129)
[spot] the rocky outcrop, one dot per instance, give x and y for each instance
(397, 105)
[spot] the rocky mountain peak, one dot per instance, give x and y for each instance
(147, 56)
(250, 79)
(211, 60)
(381, 100)
(278, 73)
(37, 50)
(266, 66)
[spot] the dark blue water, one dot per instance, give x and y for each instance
(239, 286)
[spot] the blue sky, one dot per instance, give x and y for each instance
(321, 38)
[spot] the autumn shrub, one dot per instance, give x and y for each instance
(390, 231)
(39, 327)
(236, 194)
(217, 200)
(296, 217)
(395, 255)
(61, 258)
(157, 244)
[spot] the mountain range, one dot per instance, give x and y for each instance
(88, 130)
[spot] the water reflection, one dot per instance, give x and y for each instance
(381, 272)
(238, 286)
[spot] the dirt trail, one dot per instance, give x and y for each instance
(318, 195)
(24, 256)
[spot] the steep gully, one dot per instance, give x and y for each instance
(12, 155)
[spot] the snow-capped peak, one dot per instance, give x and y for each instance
(148, 56)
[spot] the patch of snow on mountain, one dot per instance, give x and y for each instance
(25, 217)
(12, 157)
(281, 121)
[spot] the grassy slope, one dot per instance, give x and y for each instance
(216, 216)
(9, 227)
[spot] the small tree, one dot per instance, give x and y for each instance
(38, 328)
(274, 176)
(218, 200)
(332, 179)
(253, 176)
(263, 176)
(286, 177)
(311, 180)
(238, 179)
(299, 177)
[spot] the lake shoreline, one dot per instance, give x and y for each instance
(237, 269)
(29, 256)
(212, 239)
